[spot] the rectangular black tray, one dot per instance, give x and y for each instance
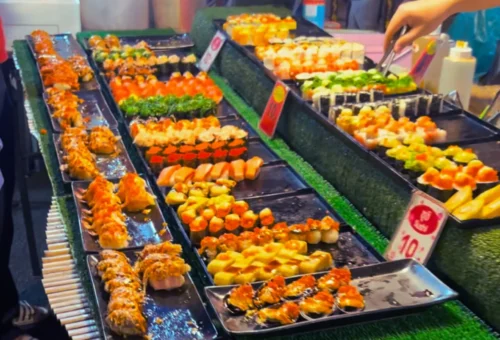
(143, 229)
(181, 311)
(156, 42)
(95, 108)
(111, 168)
(66, 45)
(389, 289)
(462, 127)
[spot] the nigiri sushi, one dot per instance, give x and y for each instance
(202, 172)
(253, 166)
(219, 170)
(237, 170)
(182, 175)
(166, 174)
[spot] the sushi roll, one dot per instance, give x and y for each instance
(486, 178)
(249, 220)
(329, 230)
(266, 217)
(247, 239)
(386, 144)
(427, 178)
(219, 155)
(377, 95)
(173, 159)
(350, 98)
(264, 235)
(436, 104)
(198, 229)
(423, 105)
(208, 214)
(463, 180)
(208, 248)
(395, 109)
(451, 151)
(286, 314)
(222, 209)
(237, 153)
(232, 224)
(442, 187)
(270, 293)
(356, 109)
(204, 157)
(314, 233)
(240, 207)
(300, 288)
(188, 63)
(156, 163)
(464, 157)
(318, 306)
(237, 143)
(324, 104)
(334, 279)
(410, 108)
(334, 113)
(349, 299)
(338, 99)
(299, 232)
(216, 226)
(228, 242)
(281, 231)
(163, 65)
(364, 97)
(171, 149)
(174, 63)
(153, 151)
(240, 299)
(473, 167)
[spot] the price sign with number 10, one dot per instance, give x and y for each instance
(419, 230)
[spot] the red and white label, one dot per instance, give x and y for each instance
(212, 51)
(419, 230)
(274, 108)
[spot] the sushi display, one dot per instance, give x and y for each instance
(353, 81)
(484, 206)
(108, 204)
(327, 231)
(372, 127)
(107, 43)
(258, 29)
(167, 132)
(159, 266)
(290, 58)
(123, 87)
(270, 304)
(332, 104)
(55, 70)
(236, 170)
(65, 105)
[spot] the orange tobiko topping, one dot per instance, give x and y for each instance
(444, 182)
(464, 180)
(487, 174)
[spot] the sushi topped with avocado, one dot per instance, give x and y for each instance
(355, 81)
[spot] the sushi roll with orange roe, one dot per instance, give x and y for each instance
(486, 178)
(216, 226)
(441, 187)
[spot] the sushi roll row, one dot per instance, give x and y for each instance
(237, 170)
(175, 63)
(310, 232)
(412, 107)
(372, 128)
(326, 101)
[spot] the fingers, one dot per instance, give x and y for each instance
(397, 21)
(406, 40)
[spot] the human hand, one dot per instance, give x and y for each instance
(422, 17)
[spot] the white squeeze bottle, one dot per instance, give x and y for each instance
(458, 72)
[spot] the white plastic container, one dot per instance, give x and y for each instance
(21, 17)
(115, 14)
(458, 72)
(176, 14)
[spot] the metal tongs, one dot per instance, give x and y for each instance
(389, 54)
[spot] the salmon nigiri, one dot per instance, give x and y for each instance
(182, 175)
(202, 172)
(219, 171)
(253, 167)
(237, 170)
(165, 175)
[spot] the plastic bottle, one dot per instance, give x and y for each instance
(433, 73)
(458, 72)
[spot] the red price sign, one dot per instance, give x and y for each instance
(212, 51)
(274, 107)
(419, 230)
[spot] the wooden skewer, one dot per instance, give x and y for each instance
(61, 275)
(51, 284)
(64, 276)
(57, 258)
(66, 293)
(80, 312)
(89, 329)
(58, 264)
(49, 290)
(64, 298)
(74, 319)
(69, 308)
(56, 252)
(87, 336)
(80, 324)
(60, 245)
(57, 269)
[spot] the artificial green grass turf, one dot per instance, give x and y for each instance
(448, 321)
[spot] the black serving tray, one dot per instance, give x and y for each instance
(143, 229)
(181, 311)
(389, 289)
(93, 108)
(463, 128)
(110, 167)
(156, 42)
(66, 46)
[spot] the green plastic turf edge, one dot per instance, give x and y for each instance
(378, 330)
(82, 36)
(362, 226)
